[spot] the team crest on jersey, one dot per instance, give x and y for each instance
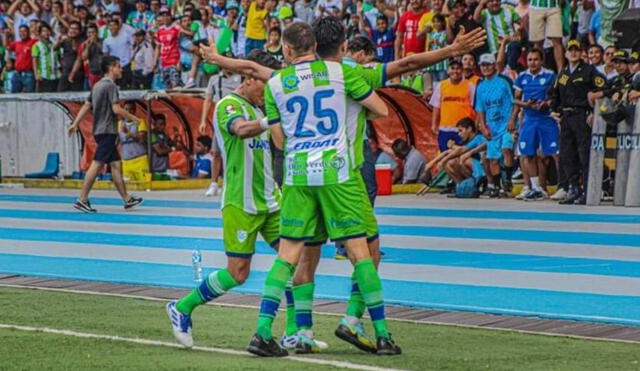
(230, 109)
(338, 162)
(290, 82)
(242, 236)
(542, 80)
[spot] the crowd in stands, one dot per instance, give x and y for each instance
(481, 101)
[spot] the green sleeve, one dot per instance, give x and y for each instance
(273, 114)
(227, 111)
(354, 85)
(374, 74)
(515, 15)
(35, 51)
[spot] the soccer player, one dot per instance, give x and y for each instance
(494, 105)
(319, 169)
(538, 130)
(329, 33)
(250, 198)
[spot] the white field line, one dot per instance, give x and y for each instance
(326, 362)
(246, 306)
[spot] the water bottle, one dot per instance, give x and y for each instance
(196, 260)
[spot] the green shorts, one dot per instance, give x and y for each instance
(370, 223)
(336, 208)
(240, 230)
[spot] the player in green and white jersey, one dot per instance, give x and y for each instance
(306, 107)
(250, 200)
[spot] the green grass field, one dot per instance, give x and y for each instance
(426, 347)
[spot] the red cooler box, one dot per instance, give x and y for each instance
(383, 178)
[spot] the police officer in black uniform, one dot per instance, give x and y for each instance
(575, 87)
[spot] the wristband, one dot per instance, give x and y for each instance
(264, 123)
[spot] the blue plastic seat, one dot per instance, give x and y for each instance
(51, 167)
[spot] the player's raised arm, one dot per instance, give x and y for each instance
(240, 66)
(463, 43)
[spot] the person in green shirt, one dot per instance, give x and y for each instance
(45, 62)
(250, 201)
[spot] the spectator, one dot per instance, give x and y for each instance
(426, 22)
(304, 10)
(575, 90)
(407, 40)
(464, 160)
(91, 54)
(70, 79)
(256, 33)
(437, 39)
(584, 11)
(539, 132)
(596, 55)
(9, 76)
(494, 104)
(452, 100)
(119, 44)
(383, 158)
(413, 160)
(595, 28)
(133, 145)
(327, 8)
(274, 47)
(142, 65)
(469, 68)
(220, 8)
(141, 18)
(168, 51)
(286, 16)
(45, 62)
(187, 50)
(22, 14)
(24, 78)
(383, 38)
(161, 145)
(499, 21)
(461, 17)
(60, 21)
(203, 161)
(46, 11)
(545, 20)
(623, 80)
(608, 69)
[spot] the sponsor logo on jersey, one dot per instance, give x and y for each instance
(242, 235)
(315, 144)
(230, 109)
(344, 223)
(259, 144)
(290, 82)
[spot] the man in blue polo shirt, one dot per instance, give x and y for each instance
(494, 105)
(538, 130)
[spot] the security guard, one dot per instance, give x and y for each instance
(576, 86)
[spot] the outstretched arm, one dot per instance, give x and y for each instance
(464, 43)
(241, 66)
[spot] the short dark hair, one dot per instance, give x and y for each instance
(205, 140)
(276, 29)
(330, 36)
(108, 61)
(264, 59)
(92, 26)
(538, 51)
(299, 36)
(24, 26)
(75, 23)
(467, 123)
(130, 102)
(158, 117)
(382, 17)
(439, 17)
(400, 147)
(360, 43)
(44, 26)
(597, 46)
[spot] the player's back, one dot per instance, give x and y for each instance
(309, 99)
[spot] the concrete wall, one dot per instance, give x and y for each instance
(31, 129)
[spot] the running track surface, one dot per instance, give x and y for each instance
(493, 256)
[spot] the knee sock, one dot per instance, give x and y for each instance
(509, 171)
(216, 284)
(291, 328)
(355, 305)
(277, 278)
(371, 289)
(303, 296)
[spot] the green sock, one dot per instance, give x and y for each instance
(355, 305)
(371, 289)
(216, 284)
(303, 297)
(280, 272)
(292, 328)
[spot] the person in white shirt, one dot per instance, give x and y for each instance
(142, 63)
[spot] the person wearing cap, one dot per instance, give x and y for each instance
(142, 63)
(452, 100)
(141, 18)
(494, 105)
(574, 93)
(285, 15)
(622, 82)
